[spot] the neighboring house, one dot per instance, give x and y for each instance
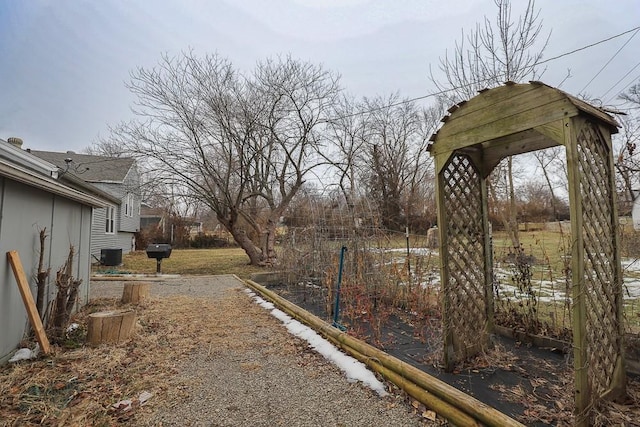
(34, 196)
(152, 217)
(114, 226)
(160, 220)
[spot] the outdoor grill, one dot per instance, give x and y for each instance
(159, 251)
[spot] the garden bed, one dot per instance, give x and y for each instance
(526, 382)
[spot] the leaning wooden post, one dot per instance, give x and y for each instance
(27, 298)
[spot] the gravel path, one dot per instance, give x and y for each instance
(261, 375)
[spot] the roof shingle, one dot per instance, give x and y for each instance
(88, 167)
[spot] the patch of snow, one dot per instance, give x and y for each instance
(631, 288)
(25, 354)
(414, 251)
(631, 265)
(353, 369)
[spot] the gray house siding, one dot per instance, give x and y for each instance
(24, 211)
(125, 225)
(130, 185)
(100, 239)
(71, 224)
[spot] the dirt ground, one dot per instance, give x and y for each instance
(202, 353)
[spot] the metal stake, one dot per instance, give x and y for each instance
(336, 309)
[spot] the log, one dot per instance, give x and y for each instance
(110, 326)
(135, 292)
(457, 403)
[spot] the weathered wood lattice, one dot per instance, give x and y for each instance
(597, 289)
(476, 136)
(464, 292)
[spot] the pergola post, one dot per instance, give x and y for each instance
(465, 276)
(581, 378)
(596, 275)
(476, 136)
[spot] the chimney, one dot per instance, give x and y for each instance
(16, 142)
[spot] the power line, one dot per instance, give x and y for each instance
(442, 92)
(609, 61)
(621, 79)
(587, 46)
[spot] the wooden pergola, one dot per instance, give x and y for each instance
(476, 135)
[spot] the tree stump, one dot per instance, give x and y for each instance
(135, 292)
(110, 326)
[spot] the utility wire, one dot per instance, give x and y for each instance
(587, 46)
(442, 92)
(621, 79)
(609, 61)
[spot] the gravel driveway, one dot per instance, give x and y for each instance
(260, 375)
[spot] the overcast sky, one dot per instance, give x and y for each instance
(63, 64)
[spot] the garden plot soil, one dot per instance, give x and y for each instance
(532, 385)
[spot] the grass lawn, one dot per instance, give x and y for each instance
(549, 249)
(190, 261)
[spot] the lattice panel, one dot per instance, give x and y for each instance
(466, 314)
(601, 287)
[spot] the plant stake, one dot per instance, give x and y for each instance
(336, 310)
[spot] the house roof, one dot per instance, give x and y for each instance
(38, 174)
(88, 167)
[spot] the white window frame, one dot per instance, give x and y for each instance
(110, 220)
(128, 205)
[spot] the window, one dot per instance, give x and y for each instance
(128, 205)
(110, 220)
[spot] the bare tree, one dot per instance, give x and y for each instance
(491, 54)
(240, 145)
(503, 198)
(105, 147)
(347, 132)
(397, 161)
(632, 96)
(539, 204)
(551, 164)
(627, 162)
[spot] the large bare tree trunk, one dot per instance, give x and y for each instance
(253, 252)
